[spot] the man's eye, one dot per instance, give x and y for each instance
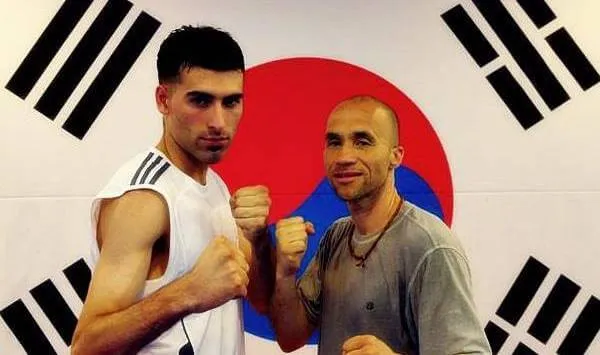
(232, 102)
(333, 143)
(201, 101)
(362, 142)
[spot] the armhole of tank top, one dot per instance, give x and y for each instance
(171, 269)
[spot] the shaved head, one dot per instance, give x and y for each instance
(362, 148)
(377, 109)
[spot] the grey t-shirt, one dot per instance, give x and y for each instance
(414, 292)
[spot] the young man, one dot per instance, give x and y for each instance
(170, 262)
(391, 278)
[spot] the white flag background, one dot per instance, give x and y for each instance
(524, 199)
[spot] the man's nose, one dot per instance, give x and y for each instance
(216, 119)
(346, 155)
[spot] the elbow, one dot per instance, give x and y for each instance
(290, 341)
(288, 346)
(79, 345)
(76, 344)
(76, 349)
(261, 308)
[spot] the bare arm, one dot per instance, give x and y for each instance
(112, 320)
(250, 207)
(287, 311)
(288, 315)
(260, 257)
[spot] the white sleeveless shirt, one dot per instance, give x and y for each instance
(197, 213)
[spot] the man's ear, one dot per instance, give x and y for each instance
(161, 95)
(396, 156)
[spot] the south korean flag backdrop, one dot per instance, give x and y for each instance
(498, 104)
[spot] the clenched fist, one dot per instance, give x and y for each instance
(250, 206)
(219, 275)
(365, 345)
(291, 234)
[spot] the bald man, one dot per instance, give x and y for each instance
(391, 278)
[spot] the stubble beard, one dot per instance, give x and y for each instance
(363, 195)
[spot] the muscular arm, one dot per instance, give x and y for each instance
(112, 322)
(288, 314)
(443, 306)
(275, 296)
(250, 207)
(295, 309)
(260, 258)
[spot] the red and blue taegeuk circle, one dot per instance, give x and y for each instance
(280, 143)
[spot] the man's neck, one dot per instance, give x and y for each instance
(372, 213)
(182, 160)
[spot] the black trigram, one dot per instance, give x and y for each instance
(23, 325)
(524, 53)
(79, 61)
(545, 322)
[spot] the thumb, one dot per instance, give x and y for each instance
(310, 228)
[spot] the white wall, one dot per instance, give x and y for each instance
(517, 193)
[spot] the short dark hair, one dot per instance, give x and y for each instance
(197, 46)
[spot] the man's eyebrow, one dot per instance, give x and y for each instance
(236, 96)
(363, 135)
(331, 136)
(199, 94)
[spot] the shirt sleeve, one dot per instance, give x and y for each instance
(310, 284)
(309, 289)
(442, 305)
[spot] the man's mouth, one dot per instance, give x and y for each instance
(214, 144)
(215, 140)
(346, 176)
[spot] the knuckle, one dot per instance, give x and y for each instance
(221, 240)
(302, 245)
(230, 269)
(282, 222)
(278, 233)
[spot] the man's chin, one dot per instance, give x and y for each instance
(345, 194)
(208, 158)
(214, 158)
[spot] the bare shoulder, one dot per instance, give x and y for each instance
(138, 216)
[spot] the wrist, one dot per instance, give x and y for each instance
(187, 295)
(285, 274)
(259, 236)
(261, 244)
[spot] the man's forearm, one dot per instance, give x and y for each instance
(288, 314)
(129, 330)
(261, 274)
